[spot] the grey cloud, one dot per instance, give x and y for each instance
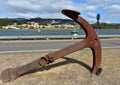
(91, 14)
(40, 7)
(113, 13)
(113, 8)
(103, 1)
(21, 6)
(52, 8)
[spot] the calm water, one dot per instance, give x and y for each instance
(51, 32)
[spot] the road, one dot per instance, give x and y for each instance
(47, 45)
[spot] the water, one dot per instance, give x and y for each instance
(52, 32)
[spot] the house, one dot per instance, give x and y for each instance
(13, 26)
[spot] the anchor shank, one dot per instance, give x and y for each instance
(70, 49)
(28, 67)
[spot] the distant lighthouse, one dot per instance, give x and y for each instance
(98, 23)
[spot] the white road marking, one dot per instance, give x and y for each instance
(114, 47)
(28, 51)
(46, 50)
(20, 41)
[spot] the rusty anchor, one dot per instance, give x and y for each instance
(91, 41)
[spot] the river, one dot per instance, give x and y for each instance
(52, 32)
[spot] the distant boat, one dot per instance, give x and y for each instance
(38, 30)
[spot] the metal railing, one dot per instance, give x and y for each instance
(51, 37)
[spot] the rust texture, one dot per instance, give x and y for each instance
(91, 41)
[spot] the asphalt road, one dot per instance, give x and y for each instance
(47, 45)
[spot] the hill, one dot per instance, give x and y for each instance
(9, 21)
(107, 26)
(44, 21)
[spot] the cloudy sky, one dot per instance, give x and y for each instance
(109, 10)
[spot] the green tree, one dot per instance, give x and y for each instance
(106, 26)
(6, 21)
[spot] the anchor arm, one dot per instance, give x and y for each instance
(89, 31)
(92, 39)
(97, 57)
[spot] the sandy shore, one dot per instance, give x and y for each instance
(73, 69)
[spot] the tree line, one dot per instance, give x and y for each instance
(107, 26)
